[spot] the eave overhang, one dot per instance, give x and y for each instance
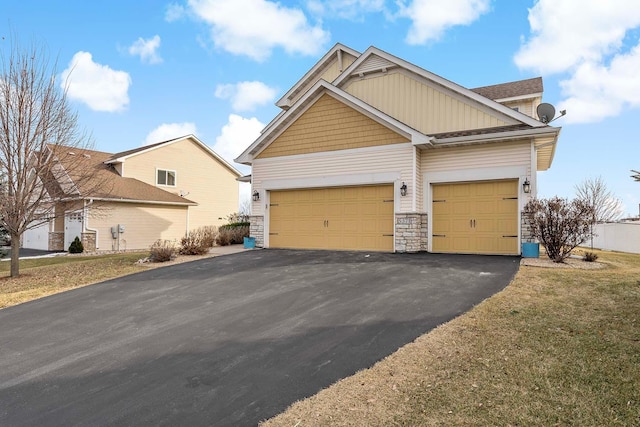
(320, 88)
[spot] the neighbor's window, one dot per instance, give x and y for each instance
(166, 177)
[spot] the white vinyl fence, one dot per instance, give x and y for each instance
(618, 236)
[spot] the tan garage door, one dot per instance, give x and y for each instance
(476, 217)
(344, 218)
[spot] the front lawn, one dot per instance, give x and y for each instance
(556, 347)
(46, 276)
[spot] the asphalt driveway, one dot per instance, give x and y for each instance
(228, 340)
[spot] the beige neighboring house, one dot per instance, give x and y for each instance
(371, 152)
(159, 191)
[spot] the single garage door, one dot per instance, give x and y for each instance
(37, 238)
(476, 217)
(343, 218)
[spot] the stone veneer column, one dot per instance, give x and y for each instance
(411, 232)
(56, 241)
(527, 235)
(89, 242)
(256, 229)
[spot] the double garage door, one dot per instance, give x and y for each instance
(343, 218)
(476, 217)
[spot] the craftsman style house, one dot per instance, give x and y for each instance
(371, 152)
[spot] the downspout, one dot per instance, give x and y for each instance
(186, 232)
(85, 218)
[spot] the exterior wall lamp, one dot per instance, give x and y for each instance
(256, 196)
(526, 186)
(403, 189)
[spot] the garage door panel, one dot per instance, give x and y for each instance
(347, 218)
(475, 217)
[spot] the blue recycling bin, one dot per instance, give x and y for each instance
(249, 242)
(530, 250)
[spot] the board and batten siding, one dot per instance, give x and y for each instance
(144, 224)
(199, 176)
(330, 125)
(482, 156)
(372, 165)
(427, 108)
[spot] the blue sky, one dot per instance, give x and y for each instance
(149, 70)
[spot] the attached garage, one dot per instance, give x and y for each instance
(340, 218)
(475, 217)
(37, 237)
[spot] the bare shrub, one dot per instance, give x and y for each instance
(162, 251)
(590, 257)
(199, 241)
(559, 224)
(209, 234)
(232, 234)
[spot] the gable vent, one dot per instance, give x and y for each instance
(373, 64)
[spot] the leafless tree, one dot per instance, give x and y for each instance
(594, 192)
(38, 133)
(636, 175)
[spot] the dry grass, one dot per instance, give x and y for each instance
(46, 276)
(556, 347)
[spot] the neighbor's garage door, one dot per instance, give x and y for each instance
(476, 217)
(344, 218)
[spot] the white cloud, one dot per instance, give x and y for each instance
(596, 91)
(586, 40)
(569, 32)
(236, 136)
(147, 49)
(255, 27)
(431, 18)
(174, 12)
(98, 86)
(246, 96)
(347, 9)
(167, 131)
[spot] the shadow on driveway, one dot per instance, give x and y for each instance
(225, 341)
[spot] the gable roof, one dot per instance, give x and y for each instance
(314, 72)
(123, 155)
(322, 87)
(94, 178)
(354, 70)
(517, 89)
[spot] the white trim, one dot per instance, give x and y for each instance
(346, 152)
(175, 177)
(315, 70)
(470, 175)
(332, 181)
(173, 141)
(437, 79)
(314, 93)
(414, 177)
(497, 136)
(86, 222)
(142, 202)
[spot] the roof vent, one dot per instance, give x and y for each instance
(88, 156)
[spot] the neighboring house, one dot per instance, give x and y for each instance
(135, 197)
(371, 152)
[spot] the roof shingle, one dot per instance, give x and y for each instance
(511, 89)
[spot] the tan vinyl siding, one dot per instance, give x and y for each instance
(397, 159)
(329, 125)
(419, 183)
(424, 107)
(199, 176)
(525, 106)
(477, 156)
(144, 224)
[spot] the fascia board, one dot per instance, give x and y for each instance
(357, 104)
(283, 103)
(498, 136)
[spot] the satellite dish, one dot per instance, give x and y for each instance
(546, 112)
